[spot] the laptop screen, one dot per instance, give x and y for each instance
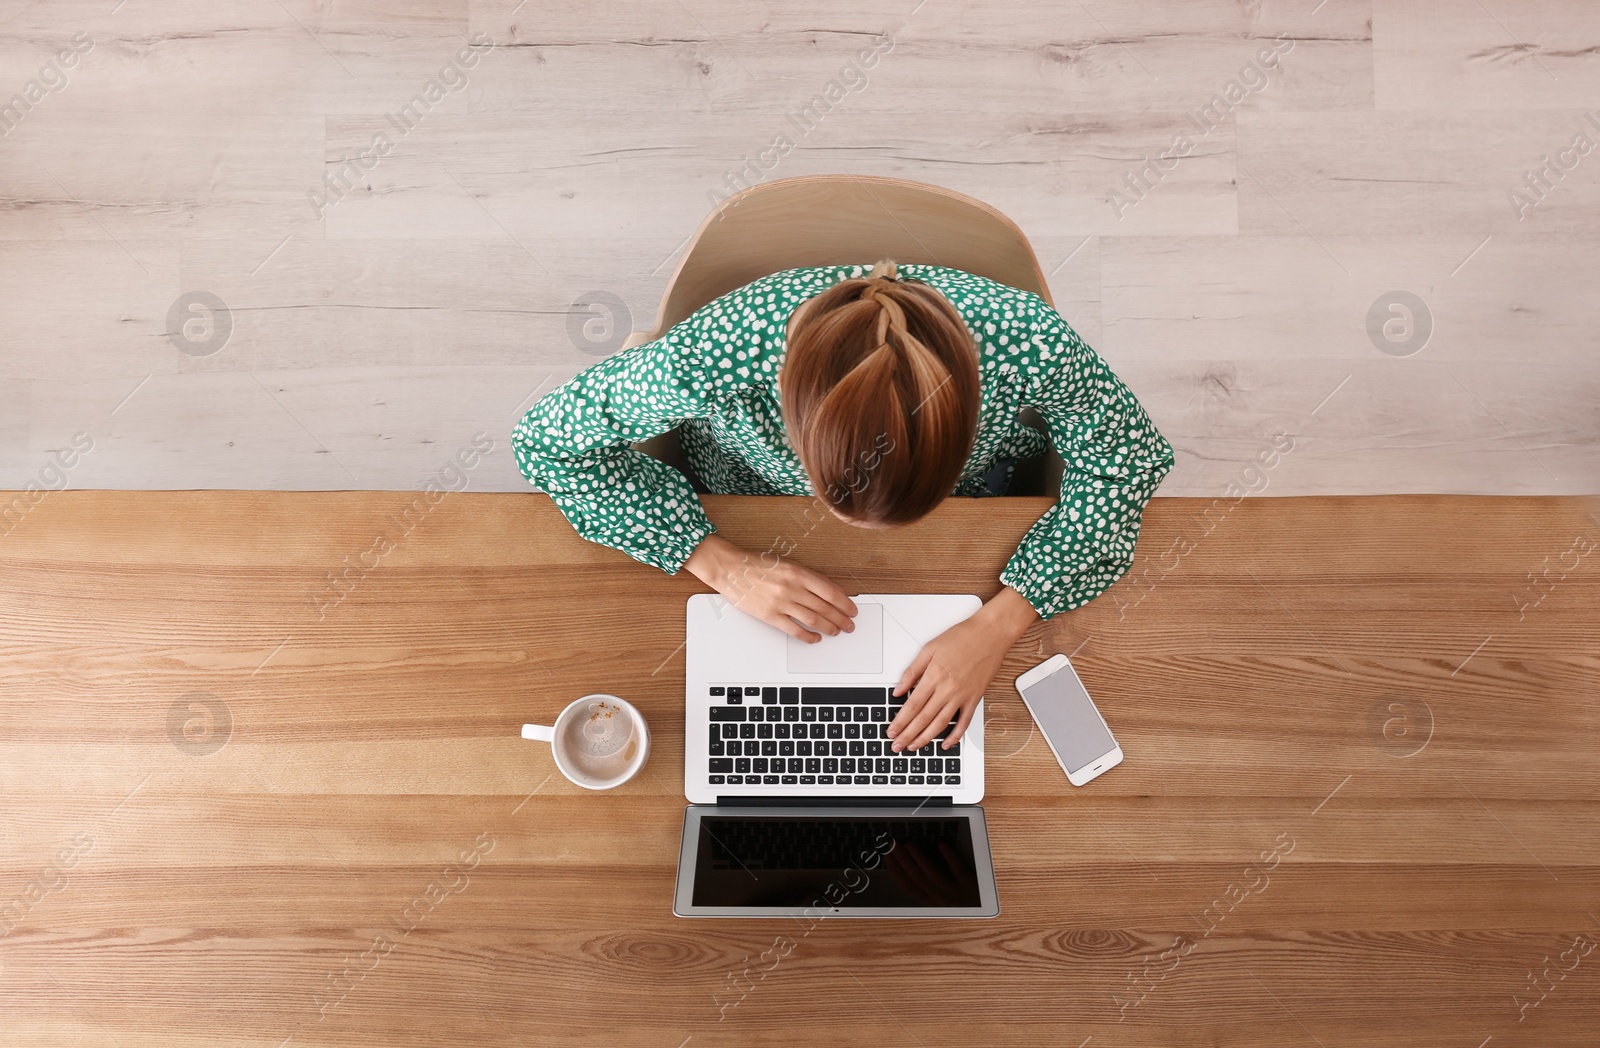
(835, 862)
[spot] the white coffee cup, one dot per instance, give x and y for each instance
(598, 741)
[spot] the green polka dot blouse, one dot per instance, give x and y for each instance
(714, 377)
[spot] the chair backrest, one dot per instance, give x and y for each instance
(820, 220)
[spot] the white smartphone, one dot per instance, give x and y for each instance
(1069, 720)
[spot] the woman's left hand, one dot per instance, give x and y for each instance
(950, 673)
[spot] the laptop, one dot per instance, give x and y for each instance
(797, 805)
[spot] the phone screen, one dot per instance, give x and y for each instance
(1069, 719)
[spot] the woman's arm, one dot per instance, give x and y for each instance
(575, 444)
(1115, 459)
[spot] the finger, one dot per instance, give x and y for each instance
(836, 620)
(926, 717)
(920, 707)
(911, 705)
(790, 626)
(967, 713)
(936, 723)
(829, 591)
(914, 671)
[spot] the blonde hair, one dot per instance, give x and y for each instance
(881, 395)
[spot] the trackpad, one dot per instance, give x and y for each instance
(860, 651)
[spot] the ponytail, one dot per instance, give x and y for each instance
(881, 396)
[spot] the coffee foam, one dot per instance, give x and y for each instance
(601, 741)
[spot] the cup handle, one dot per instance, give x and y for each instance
(538, 732)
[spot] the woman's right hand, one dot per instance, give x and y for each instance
(796, 600)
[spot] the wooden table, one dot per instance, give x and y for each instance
(247, 805)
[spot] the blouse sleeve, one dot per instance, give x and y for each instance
(575, 445)
(1115, 459)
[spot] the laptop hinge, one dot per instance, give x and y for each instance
(829, 802)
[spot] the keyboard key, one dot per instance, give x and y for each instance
(735, 697)
(763, 730)
(863, 780)
(723, 764)
(919, 765)
(954, 750)
(824, 780)
(796, 765)
(752, 691)
(803, 748)
(879, 714)
(951, 764)
(879, 780)
(714, 747)
(747, 731)
(824, 713)
(734, 747)
(790, 780)
(863, 714)
(791, 713)
(788, 696)
(875, 748)
(926, 751)
(952, 780)
(808, 780)
(769, 748)
(727, 713)
(916, 780)
(936, 764)
(830, 765)
(840, 696)
(901, 765)
(840, 747)
(716, 689)
(731, 731)
(769, 696)
(742, 765)
(780, 730)
(715, 780)
(808, 713)
(813, 765)
(852, 731)
(836, 731)
(735, 780)
(819, 731)
(857, 748)
(847, 765)
(883, 765)
(786, 748)
(935, 780)
(769, 780)
(897, 780)
(758, 765)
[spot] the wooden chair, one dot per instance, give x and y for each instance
(822, 220)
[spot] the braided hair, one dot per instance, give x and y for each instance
(880, 396)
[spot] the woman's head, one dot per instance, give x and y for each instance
(880, 396)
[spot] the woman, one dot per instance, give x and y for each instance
(880, 393)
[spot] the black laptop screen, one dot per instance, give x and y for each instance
(835, 862)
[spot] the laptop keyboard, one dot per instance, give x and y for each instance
(818, 736)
